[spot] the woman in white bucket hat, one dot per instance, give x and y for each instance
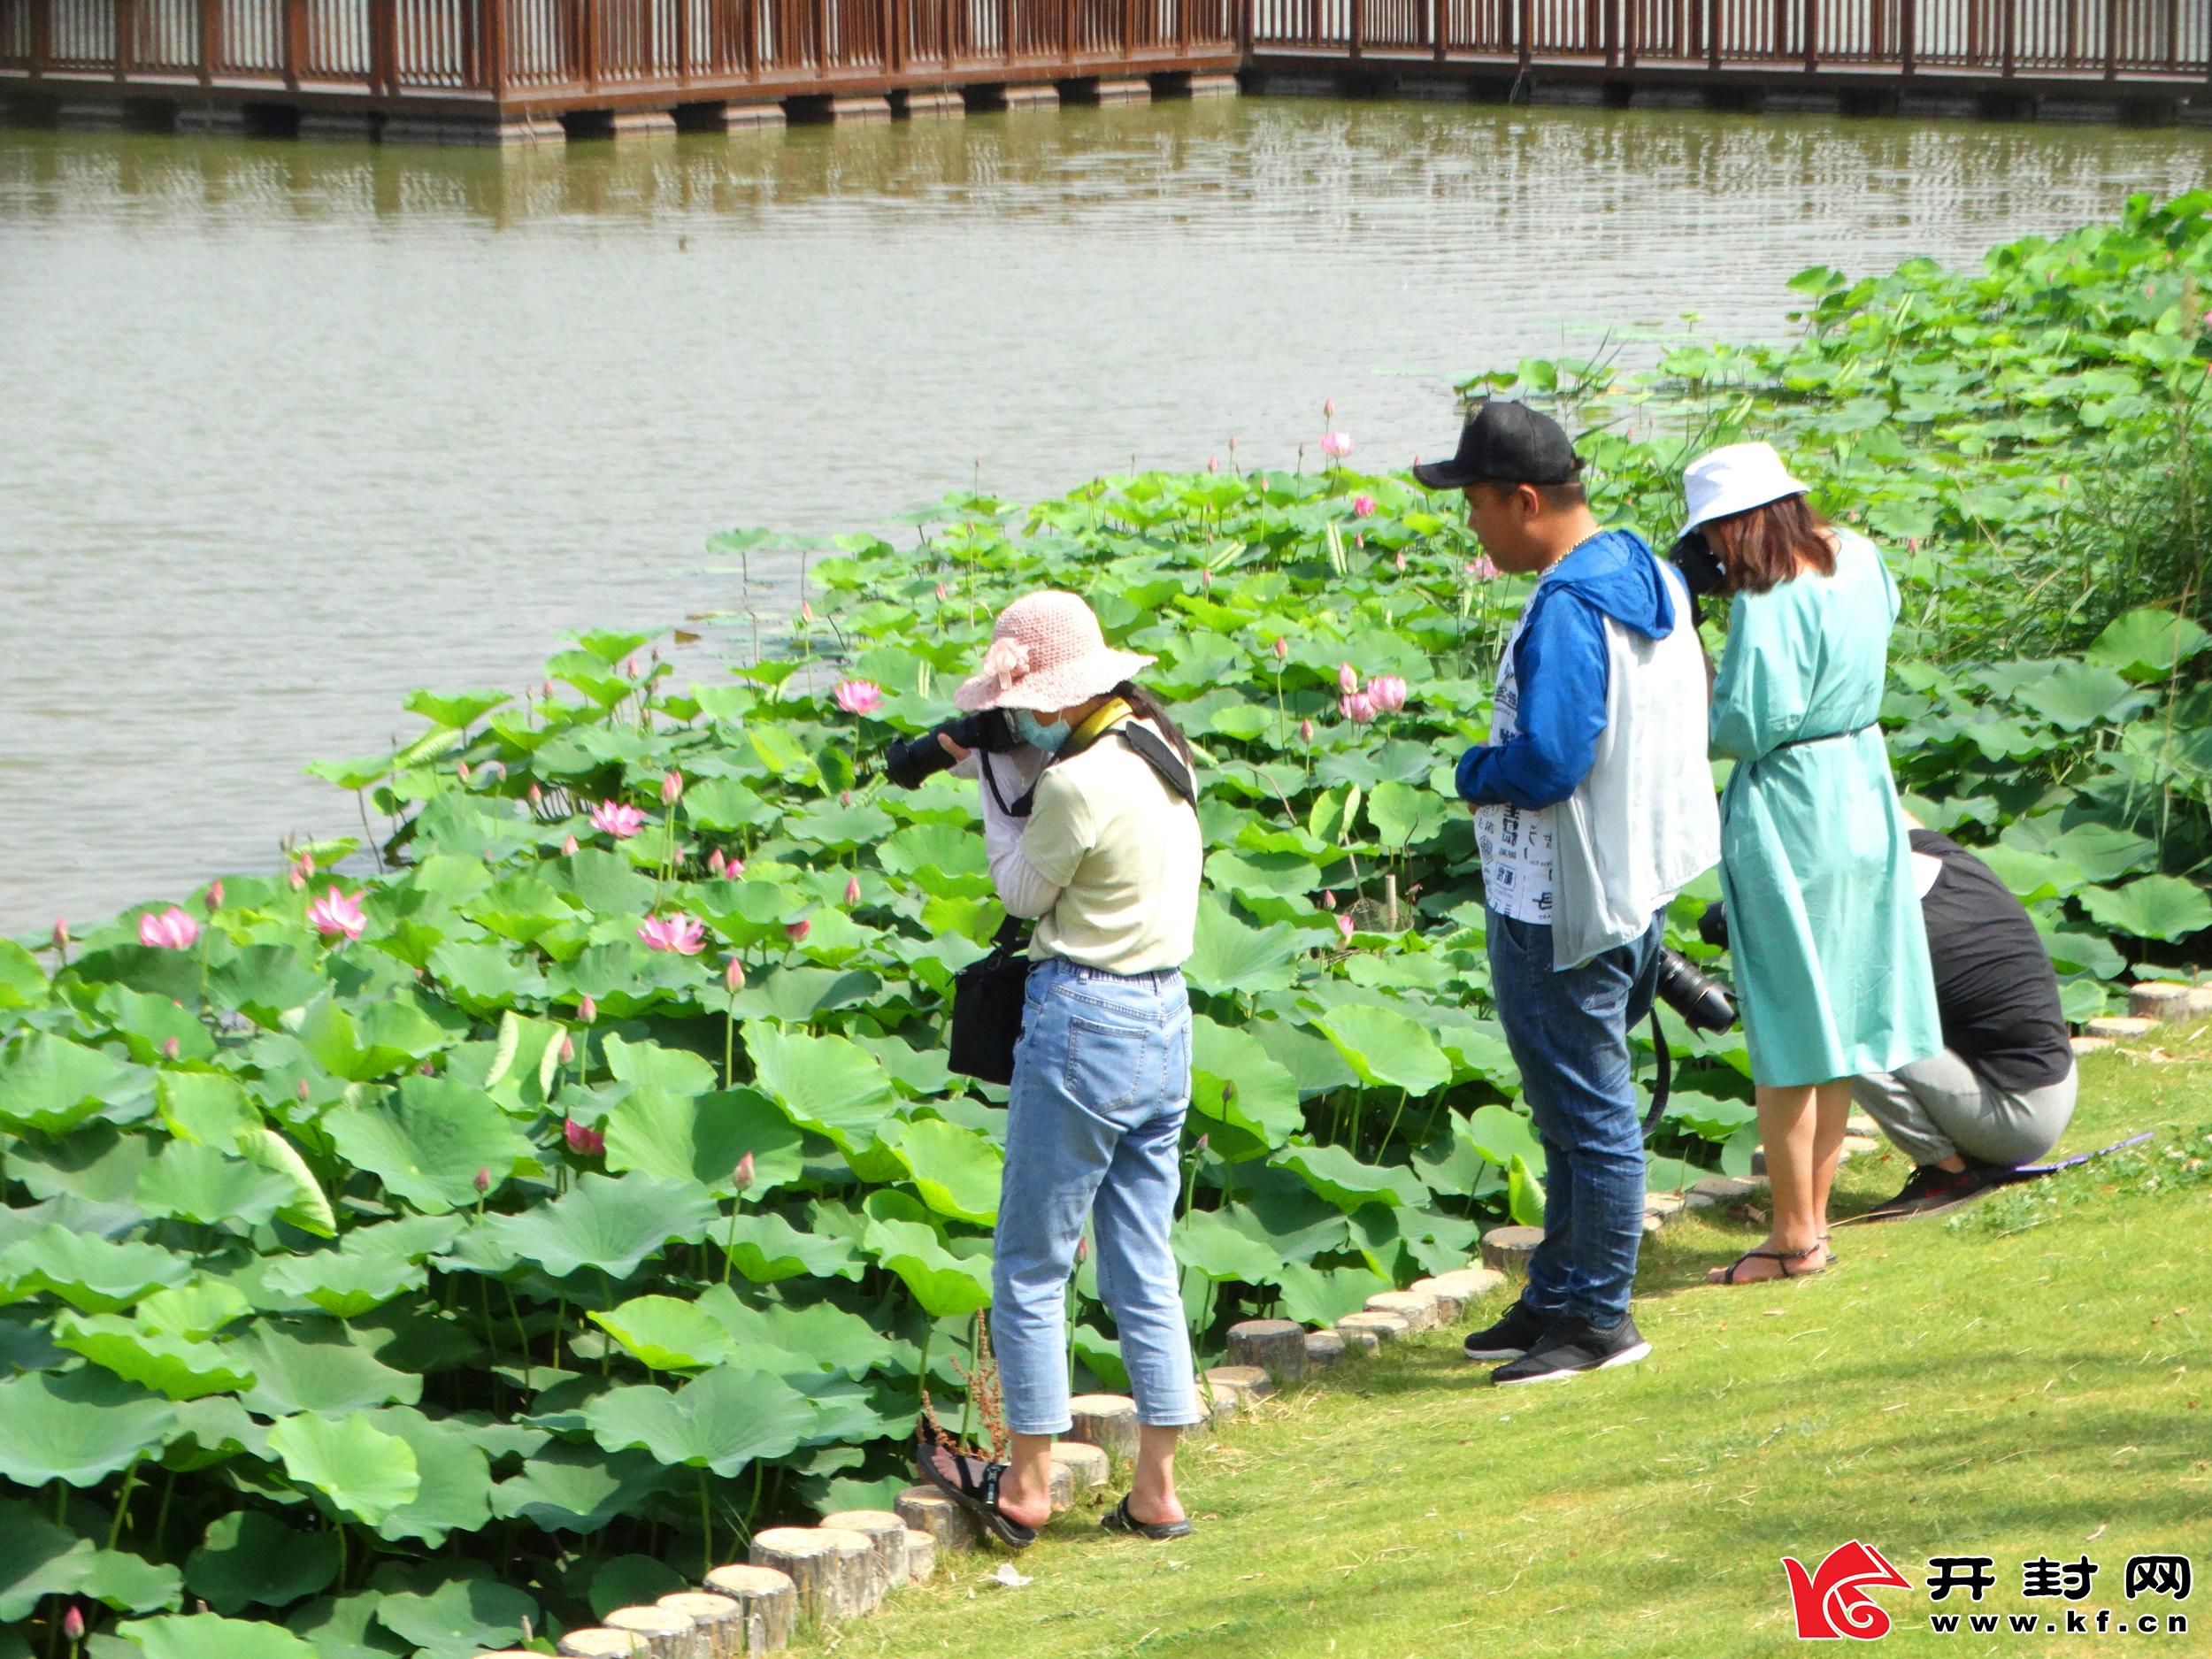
(1830, 952)
(1108, 860)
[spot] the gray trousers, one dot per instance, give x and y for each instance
(1937, 1107)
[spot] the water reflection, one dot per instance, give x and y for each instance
(291, 427)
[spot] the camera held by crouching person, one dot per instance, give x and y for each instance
(911, 762)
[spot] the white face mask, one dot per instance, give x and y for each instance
(1037, 734)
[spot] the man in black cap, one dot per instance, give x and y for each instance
(1593, 807)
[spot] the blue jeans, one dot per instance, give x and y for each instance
(1568, 1033)
(1094, 1127)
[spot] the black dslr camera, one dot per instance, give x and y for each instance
(1702, 1004)
(911, 762)
(1702, 571)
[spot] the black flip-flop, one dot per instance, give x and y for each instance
(1783, 1256)
(976, 1494)
(1118, 1519)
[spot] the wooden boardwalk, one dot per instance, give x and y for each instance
(521, 70)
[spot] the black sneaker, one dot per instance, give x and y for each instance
(1931, 1191)
(1510, 1338)
(1574, 1345)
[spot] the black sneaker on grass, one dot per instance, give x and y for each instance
(1570, 1347)
(1931, 1191)
(1510, 1338)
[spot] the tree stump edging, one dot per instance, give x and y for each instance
(719, 1621)
(927, 1509)
(1276, 1346)
(769, 1598)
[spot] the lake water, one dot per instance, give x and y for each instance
(288, 429)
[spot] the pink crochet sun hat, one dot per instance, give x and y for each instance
(1047, 652)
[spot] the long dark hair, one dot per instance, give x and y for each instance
(1145, 706)
(1764, 547)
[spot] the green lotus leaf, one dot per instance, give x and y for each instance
(951, 850)
(383, 1037)
(1236, 1082)
(211, 1636)
(2105, 853)
(825, 1084)
(249, 1558)
(212, 1430)
(1404, 816)
(956, 1170)
(427, 1141)
(703, 1137)
(78, 1427)
(1346, 1182)
(1387, 1049)
(625, 977)
(23, 983)
(600, 883)
(131, 1584)
(265, 983)
(723, 1421)
(921, 1072)
(1707, 1117)
(365, 1472)
(456, 1493)
(52, 1085)
(179, 1367)
(344, 1283)
(633, 1581)
(2148, 644)
(799, 994)
(1207, 1243)
(725, 805)
(652, 1065)
(2076, 696)
(188, 1182)
(413, 1239)
(664, 1333)
(765, 1248)
(944, 1284)
(457, 709)
(314, 1367)
(147, 1023)
(1449, 1164)
(1281, 1212)
(91, 1274)
(1502, 1134)
(2032, 876)
(209, 1108)
(566, 1488)
(484, 979)
(2151, 906)
(37, 1558)
(1230, 956)
(96, 1162)
(789, 1341)
(1525, 1193)
(461, 1618)
(611, 1223)
(310, 1209)
(1322, 1296)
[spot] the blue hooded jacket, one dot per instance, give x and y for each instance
(1562, 667)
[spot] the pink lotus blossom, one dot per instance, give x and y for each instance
(671, 787)
(1483, 569)
(1359, 708)
(941, 595)
(215, 896)
(73, 1624)
(1401, 559)
(796, 932)
(742, 1177)
(1328, 898)
(806, 610)
(1213, 464)
(1328, 409)
(61, 933)
(1388, 692)
(1305, 730)
(537, 795)
(859, 696)
(483, 1180)
(1336, 445)
(568, 848)
(1206, 579)
(171, 1048)
(1282, 647)
(337, 913)
(629, 668)
(852, 889)
(715, 863)
(618, 818)
(587, 1142)
(1363, 506)
(1344, 927)
(588, 1009)
(735, 869)
(734, 976)
(1082, 1251)
(844, 797)
(303, 1089)
(679, 933)
(1347, 679)
(462, 770)
(545, 690)
(568, 1049)
(172, 930)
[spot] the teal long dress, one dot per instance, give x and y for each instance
(1829, 954)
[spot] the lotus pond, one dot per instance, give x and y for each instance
(430, 1257)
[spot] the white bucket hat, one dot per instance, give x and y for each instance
(1734, 479)
(1047, 652)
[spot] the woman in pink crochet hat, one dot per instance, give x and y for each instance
(1106, 859)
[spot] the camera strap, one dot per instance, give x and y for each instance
(1662, 1084)
(1119, 722)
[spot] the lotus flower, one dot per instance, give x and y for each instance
(1305, 730)
(1483, 569)
(586, 1009)
(545, 690)
(568, 848)
(337, 913)
(1328, 898)
(1359, 708)
(941, 595)
(734, 976)
(806, 610)
(1388, 692)
(1344, 927)
(629, 667)
(679, 933)
(735, 869)
(1082, 1251)
(618, 818)
(588, 1142)
(743, 1176)
(1213, 464)
(171, 1048)
(1347, 679)
(1282, 647)
(852, 890)
(1363, 506)
(1206, 579)
(715, 863)
(172, 930)
(1336, 445)
(797, 931)
(859, 696)
(215, 896)
(73, 1624)
(568, 1049)
(303, 1089)
(483, 1182)
(1401, 560)
(1328, 409)
(537, 795)
(671, 787)
(844, 797)
(61, 933)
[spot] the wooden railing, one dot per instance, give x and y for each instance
(2092, 38)
(551, 52)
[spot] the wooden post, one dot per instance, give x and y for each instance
(495, 50)
(1812, 35)
(2011, 38)
(1358, 28)
(126, 11)
(42, 35)
(1527, 26)
(384, 46)
(1443, 14)
(1628, 34)
(1612, 12)
(1907, 35)
(211, 38)
(683, 42)
(1712, 33)
(294, 41)
(2111, 40)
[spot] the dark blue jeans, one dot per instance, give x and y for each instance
(1568, 1033)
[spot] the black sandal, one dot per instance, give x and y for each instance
(1119, 1520)
(976, 1494)
(1783, 1256)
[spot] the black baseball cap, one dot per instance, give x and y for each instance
(1506, 443)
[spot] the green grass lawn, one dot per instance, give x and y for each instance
(2031, 1377)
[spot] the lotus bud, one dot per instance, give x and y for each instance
(1305, 730)
(941, 595)
(568, 848)
(1083, 1245)
(1282, 647)
(797, 931)
(172, 1049)
(1213, 464)
(1363, 506)
(299, 880)
(462, 770)
(844, 797)
(1347, 679)
(1401, 558)
(736, 868)
(568, 1049)
(806, 610)
(73, 1624)
(1344, 927)
(743, 1174)
(1228, 1094)
(546, 691)
(537, 795)
(1328, 899)
(302, 1090)
(1328, 409)
(629, 667)
(61, 933)
(215, 896)
(734, 976)
(671, 787)
(1359, 541)
(588, 1009)
(483, 1180)
(590, 1143)
(1201, 1143)
(852, 890)
(426, 1068)
(1206, 579)
(717, 863)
